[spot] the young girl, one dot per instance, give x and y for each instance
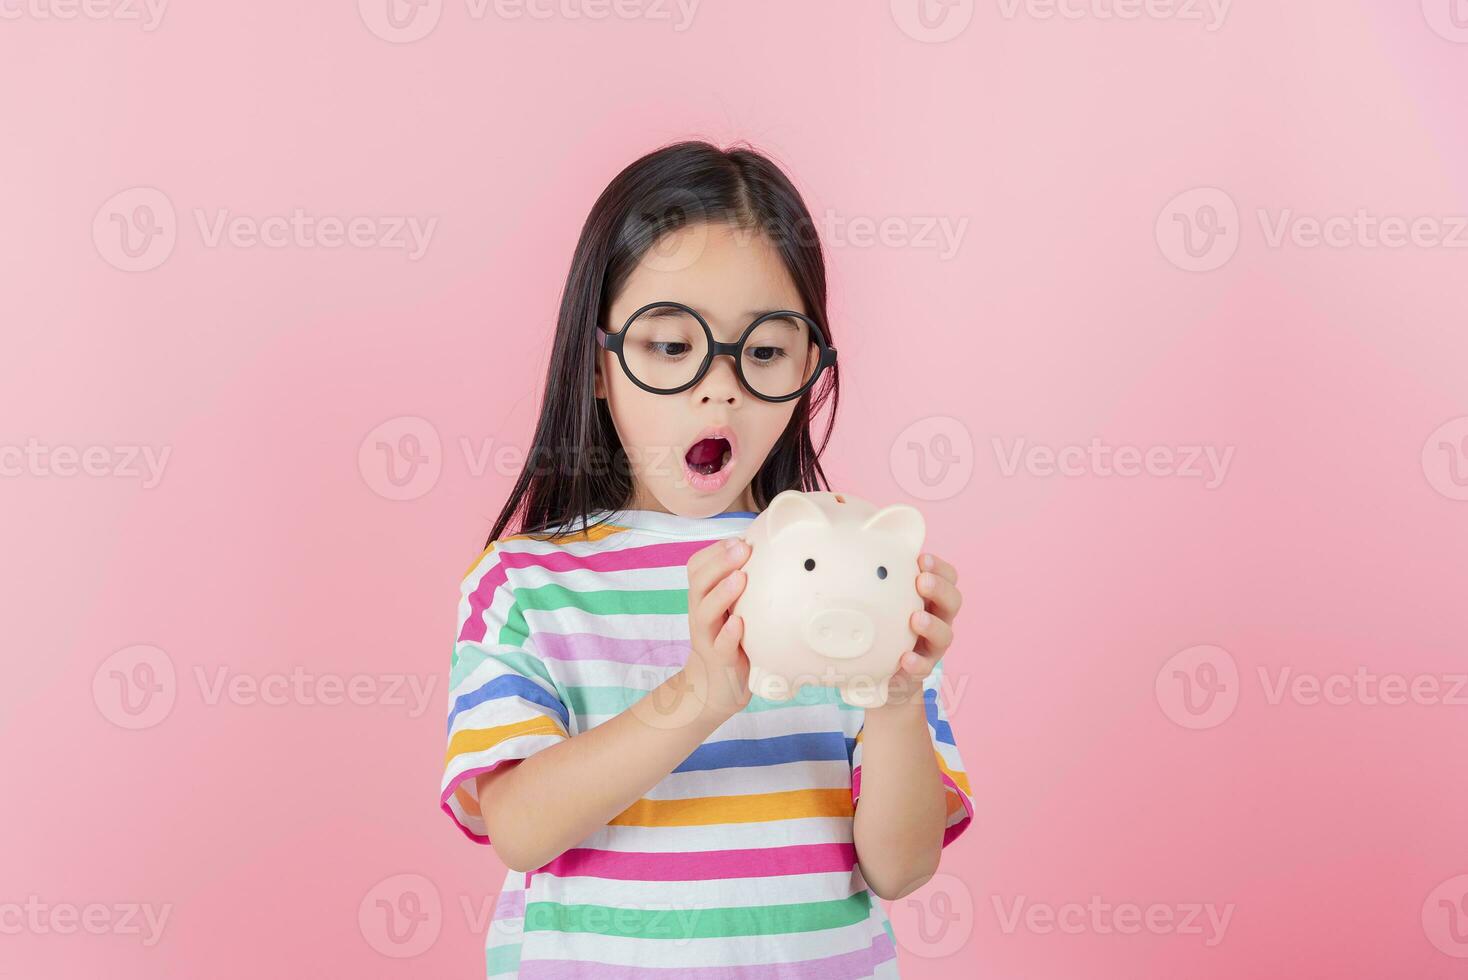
(656, 817)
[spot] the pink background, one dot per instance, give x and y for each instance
(1335, 541)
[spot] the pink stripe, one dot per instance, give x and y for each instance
(648, 556)
(759, 862)
(953, 830)
(476, 838)
(594, 646)
(859, 963)
(482, 597)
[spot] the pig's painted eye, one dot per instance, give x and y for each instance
(810, 563)
(881, 571)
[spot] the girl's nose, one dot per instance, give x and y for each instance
(722, 380)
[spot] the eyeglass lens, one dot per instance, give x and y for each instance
(665, 346)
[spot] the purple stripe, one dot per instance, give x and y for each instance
(510, 906)
(860, 963)
(675, 554)
(594, 646)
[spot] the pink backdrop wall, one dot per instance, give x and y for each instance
(1157, 309)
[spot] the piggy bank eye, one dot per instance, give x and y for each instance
(809, 564)
(881, 571)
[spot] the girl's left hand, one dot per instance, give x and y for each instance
(937, 583)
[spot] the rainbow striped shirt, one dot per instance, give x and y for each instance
(740, 863)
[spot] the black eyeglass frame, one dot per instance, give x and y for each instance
(613, 342)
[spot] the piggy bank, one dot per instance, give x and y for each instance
(830, 592)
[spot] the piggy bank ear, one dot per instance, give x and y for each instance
(901, 521)
(793, 507)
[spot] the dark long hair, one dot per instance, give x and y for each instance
(576, 464)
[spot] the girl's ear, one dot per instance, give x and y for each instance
(599, 382)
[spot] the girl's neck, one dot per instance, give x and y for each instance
(641, 500)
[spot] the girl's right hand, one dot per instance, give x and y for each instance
(717, 672)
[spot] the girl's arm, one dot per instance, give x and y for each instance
(898, 829)
(900, 820)
(538, 808)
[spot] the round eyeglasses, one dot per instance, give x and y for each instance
(667, 347)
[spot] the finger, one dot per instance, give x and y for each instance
(934, 635)
(943, 595)
(727, 639)
(700, 564)
(723, 681)
(713, 563)
(917, 665)
(930, 562)
(713, 606)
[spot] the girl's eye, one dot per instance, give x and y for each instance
(670, 348)
(765, 355)
(810, 563)
(881, 571)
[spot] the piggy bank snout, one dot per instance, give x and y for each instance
(841, 634)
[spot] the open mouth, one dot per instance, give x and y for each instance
(708, 456)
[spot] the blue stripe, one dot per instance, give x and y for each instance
(732, 753)
(510, 686)
(941, 729)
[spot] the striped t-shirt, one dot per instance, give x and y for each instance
(740, 863)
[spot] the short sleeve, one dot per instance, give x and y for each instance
(502, 702)
(950, 764)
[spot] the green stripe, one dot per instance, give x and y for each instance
(613, 700)
(519, 661)
(502, 959)
(599, 602)
(685, 923)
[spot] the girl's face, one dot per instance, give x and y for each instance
(730, 276)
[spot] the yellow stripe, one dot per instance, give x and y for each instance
(480, 739)
(749, 808)
(959, 777)
(475, 565)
